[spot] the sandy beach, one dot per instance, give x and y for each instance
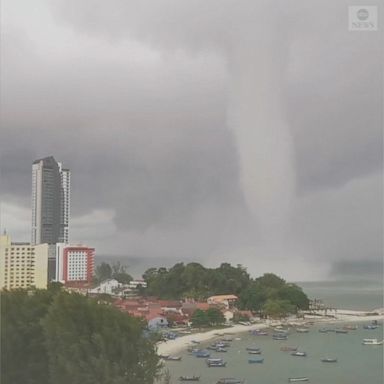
(340, 316)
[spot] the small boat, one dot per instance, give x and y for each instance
(189, 378)
(221, 350)
(212, 348)
(329, 360)
(300, 354)
(252, 349)
(326, 330)
(281, 331)
(216, 363)
(261, 333)
(279, 337)
(163, 356)
(195, 342)
(221, 344)
(237, 338)
(256, 360)
(173, 358)
(372, 342)
(254, 352)
(302, 330)
(341, 331)
(287, 348)
(297, 379)
(202, 353)
(349, 327)
(227, 339)
(370, 326)
(229, 380)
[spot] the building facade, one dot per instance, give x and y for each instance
(23, 265)
(50, 202)
(77, 265)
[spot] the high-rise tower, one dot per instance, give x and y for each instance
(50, 202)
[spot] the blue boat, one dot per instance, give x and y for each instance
(202, 353)
(256, 360)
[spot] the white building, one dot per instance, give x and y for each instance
(108, 286)
(134, 284)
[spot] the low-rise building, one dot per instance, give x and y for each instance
(109, 287)
(227, 301)
(135, 284)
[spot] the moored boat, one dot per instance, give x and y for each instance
(341, 331)
(216, 363)
(372, 342)
(297, 379)
(252, 349)
(202, 353)
(279, 337)
(302, 330)
(254, 352)
(287, 348)
(298, 353)
(329, 360)
(230, 380)
(173, 358)
(256, 360)
(189, 378)
(370, 326)
(349, 327)
(259, 333)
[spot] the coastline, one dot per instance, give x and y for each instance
(341, 316)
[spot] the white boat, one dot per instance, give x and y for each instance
(297, 379)
(372, 342)
(302, 330)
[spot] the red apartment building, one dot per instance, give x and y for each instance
(78, 265)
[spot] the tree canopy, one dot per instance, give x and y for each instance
(65, 338)
(105, 271)
(194, 281)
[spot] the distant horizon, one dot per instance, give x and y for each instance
(374, 273)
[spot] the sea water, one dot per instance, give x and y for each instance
(347, 294)
(357, 363)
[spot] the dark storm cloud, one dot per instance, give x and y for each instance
(133, 97)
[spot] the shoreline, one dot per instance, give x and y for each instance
(341, 316)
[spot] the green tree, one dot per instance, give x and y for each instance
(23, 354)
(215, 316)
(89, 343)
(278, 308)
(119, 272)
(295, 295)
(200, 319)
(103, 272)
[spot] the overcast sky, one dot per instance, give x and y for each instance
(212, 130)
